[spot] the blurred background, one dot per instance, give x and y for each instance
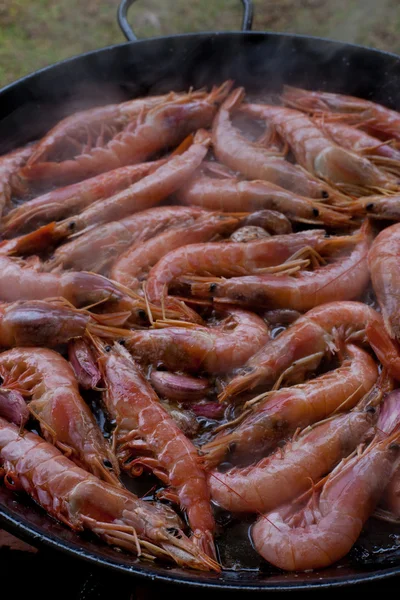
(35, 33)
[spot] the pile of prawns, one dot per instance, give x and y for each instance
(204, 264)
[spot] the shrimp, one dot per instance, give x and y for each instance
(232, 195)
(352, 138)
(226, 259)
(145, 193)
(279, 413)
(80, 131)
(322, 526)
(374, 117)
(143, 428)
(321, 157)
(287, 472)
(132, 267)
(191, 347)
(64, 202)
(272, 221)
(9, 165)
(303, 345)
(255, 161)
(64, 417)
(384, 267)
(344, 279)
(162, 126)
(81, 501)
(40, 323)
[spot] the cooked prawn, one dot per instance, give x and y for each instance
(322, 526)
(146, 432)
(64, 202)
(145, 193)
(287, 472)
(255, 161)
(9, 165)
(315, 151)
(374, 117)
(227, 259)
(97, 249)
(132, 267)
(344, 279)
(303, 343)
(279, 413)
(232, 195)
(162, 126)
(81, 501)
(190, 347)
(65, 419)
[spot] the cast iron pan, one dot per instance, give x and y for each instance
(260, 62)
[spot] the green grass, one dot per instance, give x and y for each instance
(35, 33)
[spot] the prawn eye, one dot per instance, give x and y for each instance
(370, 206)
(232, 446)
(371, 410)
(315, 212)
(213, 287)
(122, 342)
(142, 314)
(325, 194)
(394, 446)
(107, 348)
(107, 463)
(174, 531)
(71, 225)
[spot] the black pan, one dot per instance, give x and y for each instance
(259, 61)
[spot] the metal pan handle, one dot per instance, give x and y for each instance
(124, 6)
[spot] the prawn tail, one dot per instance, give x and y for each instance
(384, 347)
(383, 386)
(388, 425)
(205, 541)
(234, 100)
(34, 242)
(239, 384)
(218, 94)
(214, 452)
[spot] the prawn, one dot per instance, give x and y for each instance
(315, 151)
(162, 126)
(384, 267)
(132, 267)
(322, 526)
(374, 117)
(277, 414)
(81, 501)
(97, 249)
(64, 417)
(146, 433)
(255, 161)
(232, 195)
(9, 165)
(376, 207)
(344, 279)
(286, 473)
(227, 259)
(145, 193)
(64, 202)
(301, 347)
(192, 347)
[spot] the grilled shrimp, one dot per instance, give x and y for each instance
(39, 323)
(322, 526)
(385, 269)
(254, 160)
(287, 472)
(191, 347)
(232, 195)
(376, 118)
(145, 193)
(344, 279)
(64, 417)
(279, 413)
(315, 152)
(227, 259)
(64, 202)
(97, 249)
(81, 501)
(132, 267)
(162, 126)
(302, 345)
(146, 432)
(9, 165)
